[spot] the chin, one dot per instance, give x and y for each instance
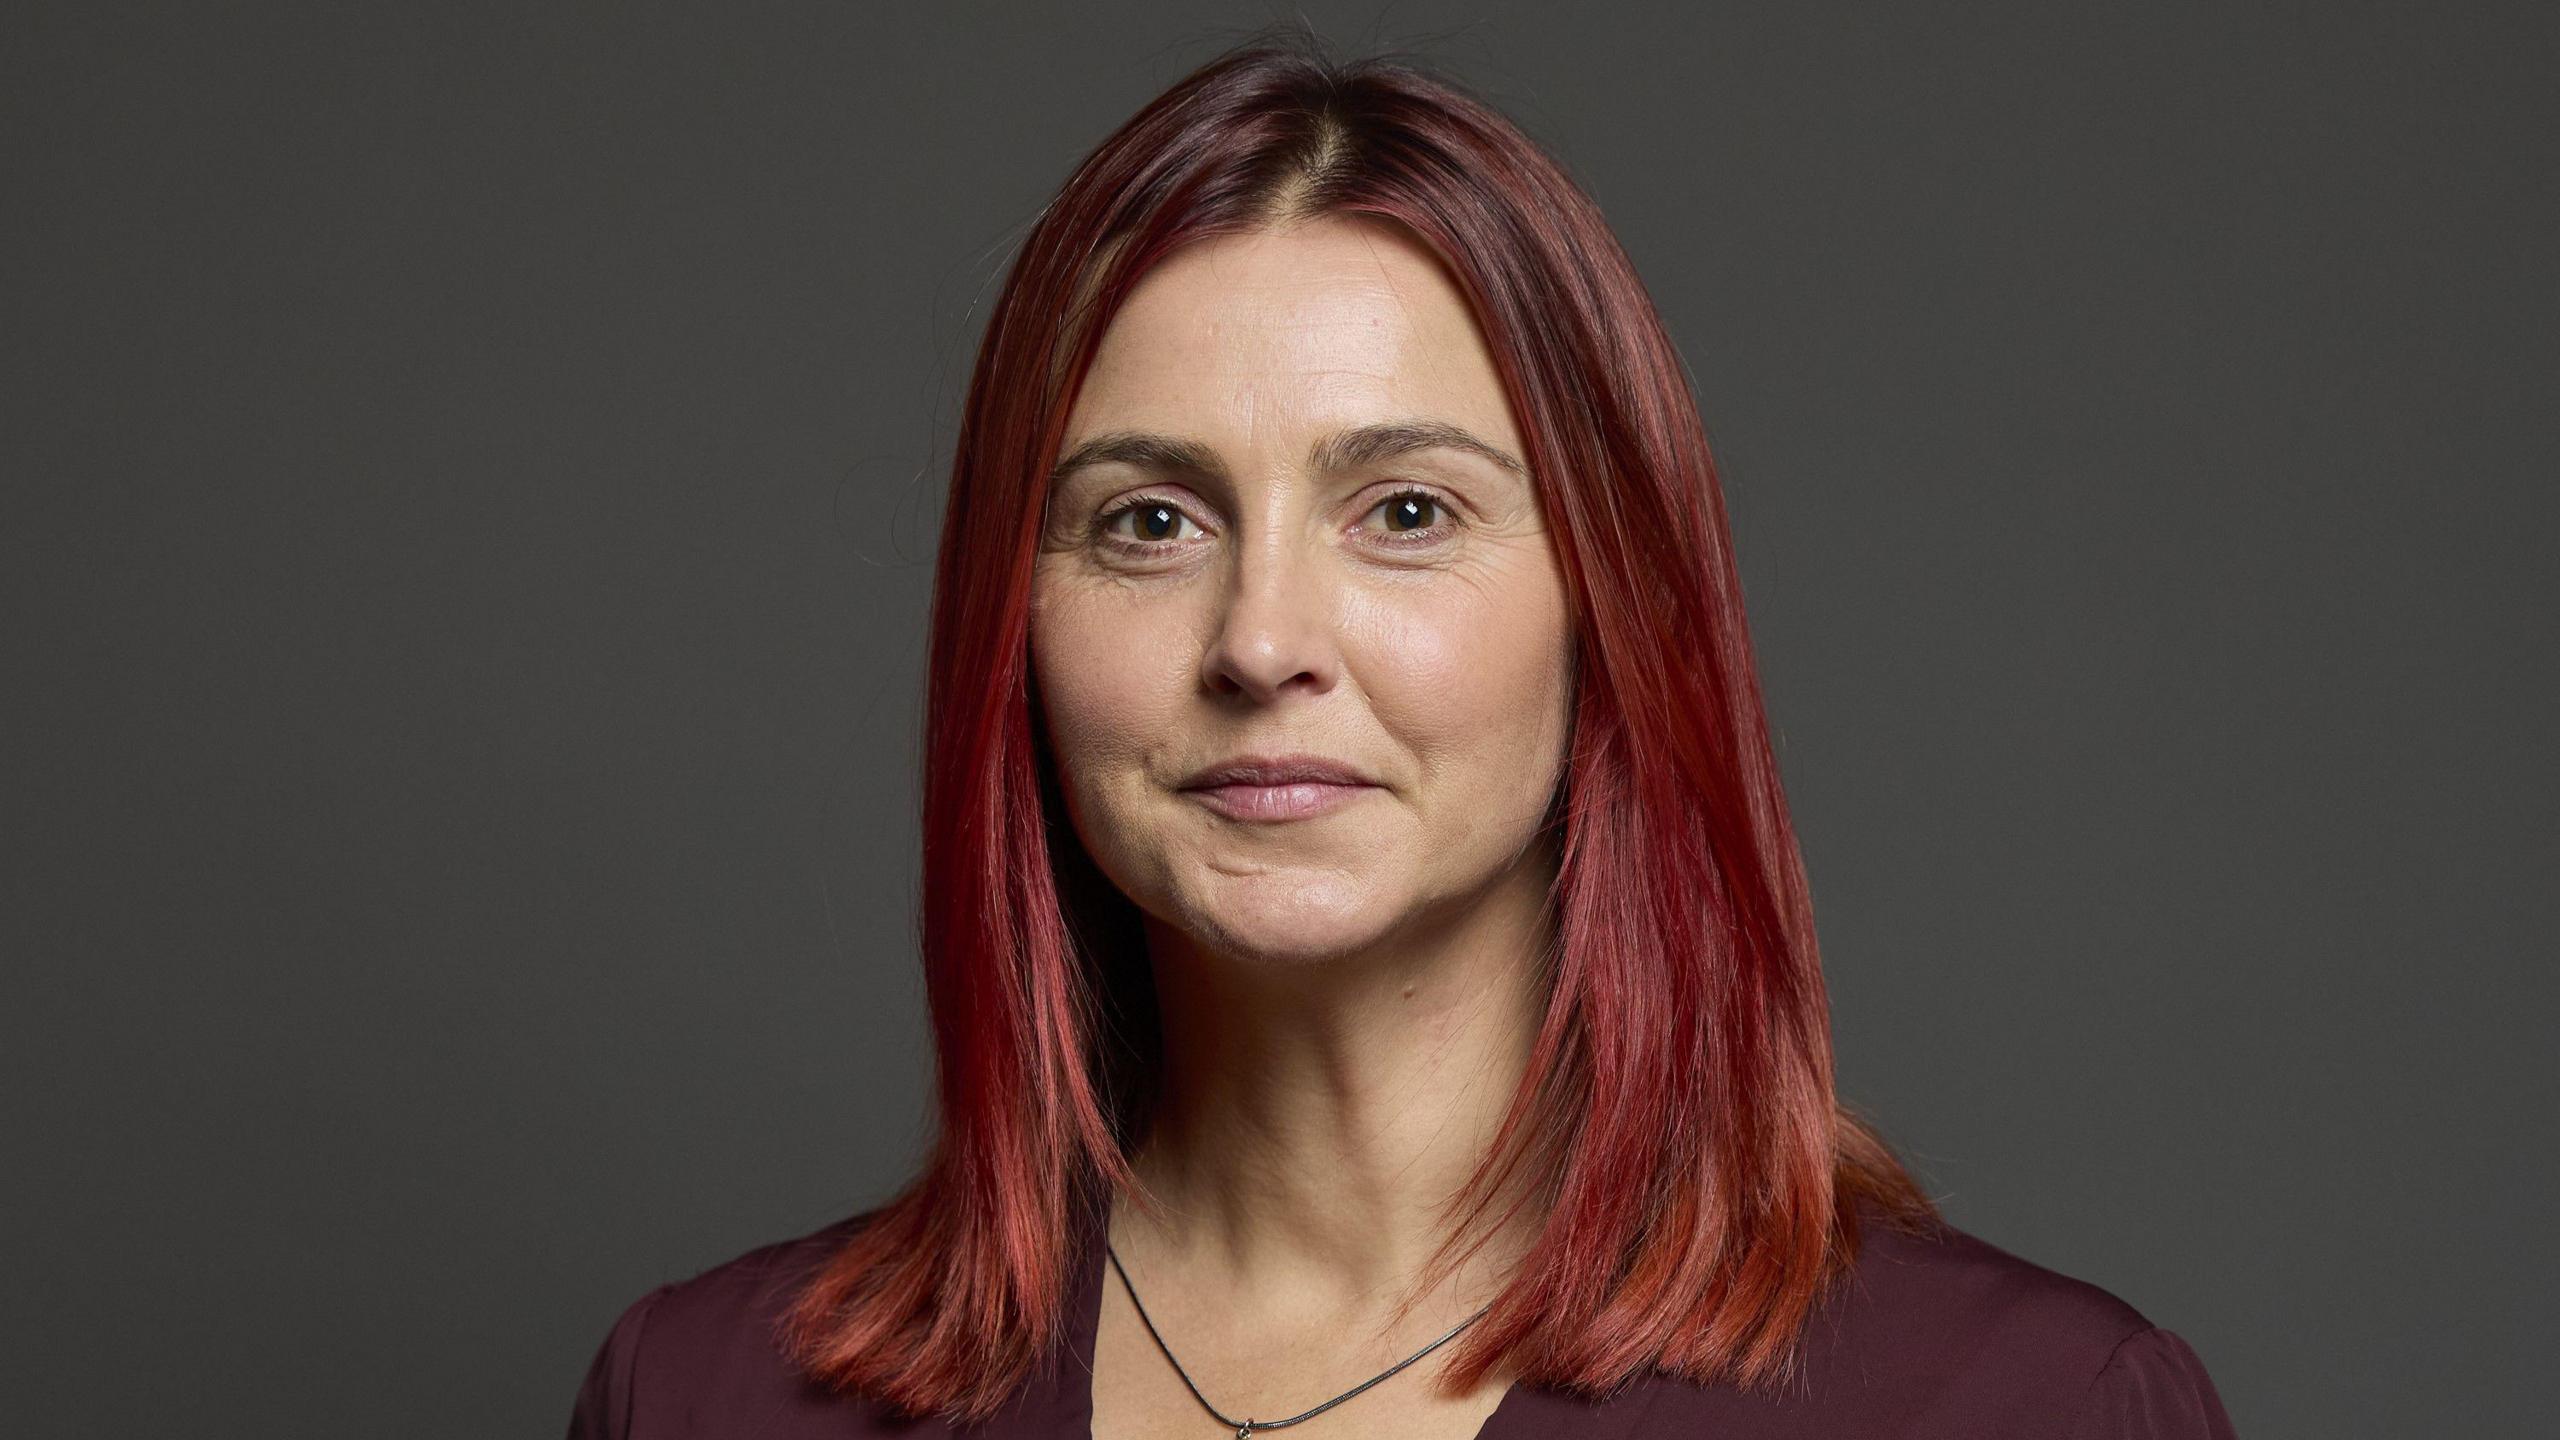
(1294, 922)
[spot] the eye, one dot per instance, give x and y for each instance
(1154, 522)
(1414, 517)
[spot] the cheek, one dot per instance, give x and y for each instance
(1104, 688)
(1473, 678)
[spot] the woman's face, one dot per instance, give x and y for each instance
(1228, 572)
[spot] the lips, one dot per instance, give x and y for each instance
(1298, 800)
(1277, 787)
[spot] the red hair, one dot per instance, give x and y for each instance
(1678, 1117)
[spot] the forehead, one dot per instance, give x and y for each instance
(1331, 322)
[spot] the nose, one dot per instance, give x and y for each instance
(1275, 628)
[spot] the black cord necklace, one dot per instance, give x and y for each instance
(1244, 1428)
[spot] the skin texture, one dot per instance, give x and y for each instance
(1349, 998)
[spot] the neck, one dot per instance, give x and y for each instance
(1316, 1118)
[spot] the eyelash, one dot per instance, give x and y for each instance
(1431, 533)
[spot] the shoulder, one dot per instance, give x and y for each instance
(1964, 1337)
(1936, 1332)
(708, 1346)
(1952, 1295)
(734, 1305)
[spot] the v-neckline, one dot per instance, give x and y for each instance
(1087, 1312)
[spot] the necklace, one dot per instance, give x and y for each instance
(1245, 1428)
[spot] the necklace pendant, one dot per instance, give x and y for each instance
(1245, 1431)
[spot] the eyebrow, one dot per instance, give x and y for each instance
(1343, 450)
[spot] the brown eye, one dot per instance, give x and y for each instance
(1410, 511)
(1151, 521)
(1413, 517)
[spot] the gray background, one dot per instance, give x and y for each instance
(471, 477)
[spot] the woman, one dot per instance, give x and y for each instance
(1372, 970)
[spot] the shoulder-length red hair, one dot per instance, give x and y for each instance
(1678, 1116)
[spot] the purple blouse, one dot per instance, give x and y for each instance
(1944, 1337)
